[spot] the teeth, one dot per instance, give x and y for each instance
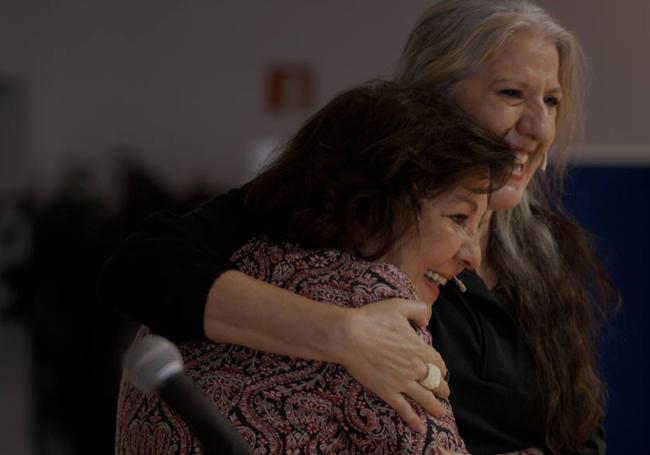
(436, 277)
(522, 158)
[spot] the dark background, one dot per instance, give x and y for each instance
(612, 202)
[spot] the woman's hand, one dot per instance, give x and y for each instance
(375, 343)
(380, 349)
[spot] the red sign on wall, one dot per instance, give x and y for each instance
(290, 87)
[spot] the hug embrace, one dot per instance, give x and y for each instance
(409, 226)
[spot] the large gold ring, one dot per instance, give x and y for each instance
(433, 377)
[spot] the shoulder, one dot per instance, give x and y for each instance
(322, 274)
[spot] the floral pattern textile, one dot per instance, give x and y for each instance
(284, 405)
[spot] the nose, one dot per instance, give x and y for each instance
(537, 122)
(469, 253)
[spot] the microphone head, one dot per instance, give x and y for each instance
(151, 361)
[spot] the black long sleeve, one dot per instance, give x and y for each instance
(160, 276)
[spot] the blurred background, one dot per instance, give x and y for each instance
(112, 109)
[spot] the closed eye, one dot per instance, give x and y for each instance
(459, 218)
(511, 93)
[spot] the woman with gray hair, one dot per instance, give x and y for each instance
(519, 343)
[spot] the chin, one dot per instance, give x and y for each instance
(507, 197)
(426, 294)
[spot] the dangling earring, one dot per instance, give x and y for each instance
(544, 162)
(460, 284)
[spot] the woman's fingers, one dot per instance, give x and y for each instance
(406, 412)
(430, 355)
(418, 312)
(442, 390)
(426, 399)
(385, 354)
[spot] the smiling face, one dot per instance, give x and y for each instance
(444, 243)
(515, 93)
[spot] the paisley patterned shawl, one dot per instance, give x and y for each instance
(284, 405)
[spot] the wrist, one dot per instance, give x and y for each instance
(339, 334)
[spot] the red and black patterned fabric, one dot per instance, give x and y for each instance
(283, 405)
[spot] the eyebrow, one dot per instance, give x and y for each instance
(555, 90)
(458, 198)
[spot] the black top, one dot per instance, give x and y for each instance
(493, 388)
(162, 273)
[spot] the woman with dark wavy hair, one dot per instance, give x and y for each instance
(380, 195)
(519, 343)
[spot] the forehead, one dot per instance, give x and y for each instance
(462, 195)
(526, 56)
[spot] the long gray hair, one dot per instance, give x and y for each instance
(542, 258)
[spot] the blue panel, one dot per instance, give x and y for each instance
(613, 203)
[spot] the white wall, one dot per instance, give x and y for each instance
(182, 81)
(18, 40)
(616, 37)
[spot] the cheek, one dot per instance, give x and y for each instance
(491, 115)
(442, 245)
(506, 197)
(499, 120)
(405, 256)
(553, 131)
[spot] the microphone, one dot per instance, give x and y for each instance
(155, 365)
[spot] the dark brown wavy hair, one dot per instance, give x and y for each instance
(358, 169)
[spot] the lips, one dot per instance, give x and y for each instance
(521, 156)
